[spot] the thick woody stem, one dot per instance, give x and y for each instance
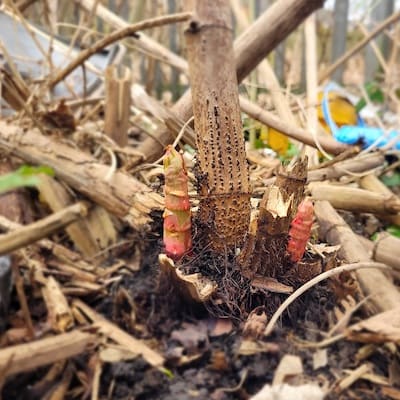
(224, 185)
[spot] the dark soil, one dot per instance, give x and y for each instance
(203, 365)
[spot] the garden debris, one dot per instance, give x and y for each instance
(194, 287)
(120, 194)
(91, 234)
(250, 347)
(255, 324)
(287, 392)
(289, 367)
(29, 356)
(380, 328)
(25, 43)
(220, 326)
(192, 337)
(320, 359)
(90, 307)
(385, 295)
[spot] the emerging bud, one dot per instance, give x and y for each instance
(300, 230)
(177, 222)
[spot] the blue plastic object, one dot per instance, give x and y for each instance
(360, 133)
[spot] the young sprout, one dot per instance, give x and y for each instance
(300, 230)
(177, 223)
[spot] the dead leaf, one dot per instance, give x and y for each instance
(192, 337)
(194, 287)
(112, 354)
(287, 392)
(219, 326)
(256, 322)
(250, 347)
(288, 367)
(383, 327)
(320, 359)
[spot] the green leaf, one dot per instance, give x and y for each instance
(25, 176)
(391, 180)
(394, 230)
(28, 170)
(375, 94)
(167, 372)
(291, 152)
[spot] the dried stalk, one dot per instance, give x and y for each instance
(264, 252)
(224, 187)
(114, 37)
(356, 166)
(28, 356)
(341, 60)
(385, 248)
(274, 25)
(121, 194)
(334, 229)
(40, 229)
(354, 199)
(373, 184)
(116, 334)
(89, 234)
(311, 83)
(62, 253)
(117, 103)
(266, 74)
(143, 43)
(326, 142)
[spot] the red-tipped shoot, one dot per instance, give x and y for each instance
(177, 222)
(300, 230)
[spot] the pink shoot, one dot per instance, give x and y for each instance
(300, 230)
(177, 222)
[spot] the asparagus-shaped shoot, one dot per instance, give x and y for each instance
(177, 224)
(300, 230)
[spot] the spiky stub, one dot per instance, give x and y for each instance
(177, 223)
(264, 252)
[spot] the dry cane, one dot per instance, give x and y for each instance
(300, 230)
(177, 223)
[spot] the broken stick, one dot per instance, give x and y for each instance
(40, 229)
(28, 356)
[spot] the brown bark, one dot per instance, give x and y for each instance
(334, 229)
(30, 356)
(265, 250)
(274, 25)
(118, 104)
(354, 199)
(90, 234)
(372, 183)
(385, 249)
(224, 185)
(293, 131)
(121, 194)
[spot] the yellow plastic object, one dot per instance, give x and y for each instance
(277, 141)
(342, 111)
